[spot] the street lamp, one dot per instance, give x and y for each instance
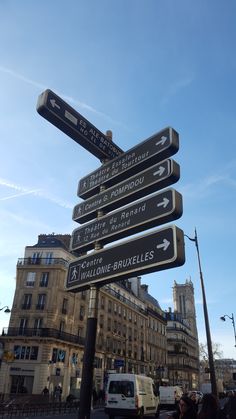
(7, 310)
(207, 326)
(231, 318)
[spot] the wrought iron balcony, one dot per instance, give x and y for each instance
(42, 333)
(42, 261)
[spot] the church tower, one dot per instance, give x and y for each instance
(183, 297)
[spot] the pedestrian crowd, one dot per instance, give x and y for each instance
(189, 407)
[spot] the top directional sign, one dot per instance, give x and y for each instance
(151, 151)
(72, 123)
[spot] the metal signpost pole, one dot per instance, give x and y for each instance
(89, 352)
(86, 390)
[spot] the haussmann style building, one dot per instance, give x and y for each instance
(44, 343)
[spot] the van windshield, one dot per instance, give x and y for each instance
(122, 387)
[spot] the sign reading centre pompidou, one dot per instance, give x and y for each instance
(119, 193)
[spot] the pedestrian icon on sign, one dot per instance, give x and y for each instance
(74, 274)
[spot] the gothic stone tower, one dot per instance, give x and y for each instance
(183, 296)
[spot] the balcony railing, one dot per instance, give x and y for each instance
(42, 261)
(42, 333)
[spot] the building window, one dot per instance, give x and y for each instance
(130, 316)
(124, 330)
(124, 313)
(80, 332)
(64, 306)
(27, 302)
(41, 302)
(49, 260)
(109, 325)
(58, 355)
(62, 326)
(26, 352)
(83, 295)
(102, 302)
(30, 280)
(44, 279)
(23, 326)
(38, 323)
(36, 258)
(109, 306)
(81, 313)
(97, 362)
(101, 321)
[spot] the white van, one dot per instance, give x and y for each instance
(130, 395)
(170, 395)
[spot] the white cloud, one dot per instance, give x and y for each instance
(36, 192)
(175, 87)
(65, 97)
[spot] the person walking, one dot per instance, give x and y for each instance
(230, 406)
(186, 409)
(195, 401)
(210, 408)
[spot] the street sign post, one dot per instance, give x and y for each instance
(72, 123)
(142, 215)
(151, 151)
(154, 252)
(150, 180)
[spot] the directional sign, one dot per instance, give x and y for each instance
(150, 253)
(156, 148)
(72, 123)
(147, 213)
(151, 180)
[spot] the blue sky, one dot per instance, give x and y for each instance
(135, 67)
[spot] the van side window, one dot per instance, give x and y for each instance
(122, 387)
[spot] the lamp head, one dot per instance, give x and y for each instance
(7, 310)
(222, 318)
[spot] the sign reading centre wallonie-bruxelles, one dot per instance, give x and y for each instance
(154, 252)
(156, 148)
(143, 214)
(72, 123)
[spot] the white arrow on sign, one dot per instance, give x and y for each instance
(160, 171)
(163, 245)
(164, 203)
(54, 104)
(162, 140)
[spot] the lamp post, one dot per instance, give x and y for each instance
(231, 318)
(7, 310)
(207, 326)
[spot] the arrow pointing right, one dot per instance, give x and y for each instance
(163, 245)
(160, 171)
(162, 140)
(163, 203)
